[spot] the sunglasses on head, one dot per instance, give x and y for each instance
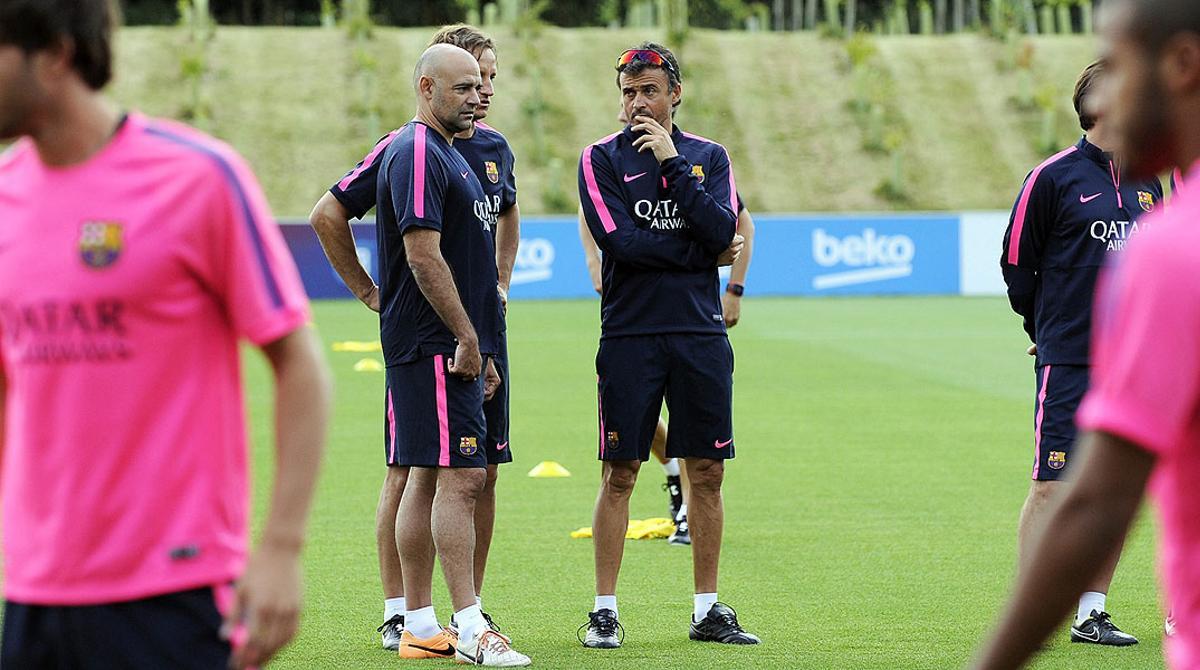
(646, 56)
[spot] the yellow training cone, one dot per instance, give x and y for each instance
(549, 469)
(368, 365)
(359, 347)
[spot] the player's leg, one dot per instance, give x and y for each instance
(700, 401)
(631, 378)
(496, 413)
(671, 467)
(1060, 388)
(485, 524)
(390, 573)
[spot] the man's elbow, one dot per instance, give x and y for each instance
(328, 213)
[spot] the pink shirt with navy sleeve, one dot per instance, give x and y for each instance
(126, 283)
(1145, 388)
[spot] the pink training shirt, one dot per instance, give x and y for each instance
(1145, 388)
(125, 285)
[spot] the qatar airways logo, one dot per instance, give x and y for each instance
(870, 256)
(487, 211)
(660, 214)
(1115, 234)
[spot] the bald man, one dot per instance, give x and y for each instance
(439, 324)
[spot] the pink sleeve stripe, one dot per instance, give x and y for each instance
(368, 161)
(589, 178)
(733, 203)
(419, 172)
(1014, 241)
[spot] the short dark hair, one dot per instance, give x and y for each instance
(38, 25)
(639, 66)
(1083, 88)
(465, 37)
(1153, 22)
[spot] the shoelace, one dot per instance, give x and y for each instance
(1102, 620)
(729, 618)
(396, 621)
(606, 625)
(491, 624)
(494, 642)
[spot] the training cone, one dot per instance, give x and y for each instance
(549, 469)
(368, 365)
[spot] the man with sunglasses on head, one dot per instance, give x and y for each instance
(662, 206)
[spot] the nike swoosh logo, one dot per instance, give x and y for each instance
(502, 446)
(1086, 199)
(636, 176)
(447, 651)
(721, 445)
(465, 174)
(1094, 636)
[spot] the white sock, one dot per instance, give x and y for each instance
(682, 512)
(479, 601)
(421, 623)
(392, 607)
(701, 604)
(671, 467)
(606, 603)
(1092, 600)
(470, 621)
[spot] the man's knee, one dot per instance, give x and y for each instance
(705, 475)
(620, 476)
(397, 477)
(489, 484)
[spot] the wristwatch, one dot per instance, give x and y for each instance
(736, 289)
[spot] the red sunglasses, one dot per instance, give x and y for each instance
(646, 56)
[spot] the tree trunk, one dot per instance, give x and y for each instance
(1031, 26)
(974, 15)
(778, 21)
(797, 19)
(810, 14)
(940, 17)
(851, 17)
(960, 21)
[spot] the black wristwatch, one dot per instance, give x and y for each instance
(736, 289)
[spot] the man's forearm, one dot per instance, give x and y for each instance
(737, 273)
(332, 226)
(302, 399)
(508, 239)
(437, 284)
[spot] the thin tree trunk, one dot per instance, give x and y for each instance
(975, 17)
(1031, 26)
(810, 14)
(797, 20)
(960, 22)
(777, 18)
(851, 17)
(939, 20)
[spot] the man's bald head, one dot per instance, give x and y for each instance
(1153, 22)
(447, 84)
(444, 61)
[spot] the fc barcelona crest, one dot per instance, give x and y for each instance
(698, 173)
(467, 446)
(99, 243)
(1146, 200)
(493, 172)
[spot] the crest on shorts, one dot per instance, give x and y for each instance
(467, 446)
(1057, 460)
(493, 172)
(698, 173)
(1146, 200)
(612, 439)
(99, 243)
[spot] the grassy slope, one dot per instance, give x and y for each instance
(777, 101)
(884, 451)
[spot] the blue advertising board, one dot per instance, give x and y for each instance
(793, 255)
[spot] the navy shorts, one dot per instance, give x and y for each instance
(694, 373)
(1060, 389)
(495, 411)
(433, 418)
(176, 630)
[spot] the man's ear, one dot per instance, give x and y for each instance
(1179, 65)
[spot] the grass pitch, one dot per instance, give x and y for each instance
(884, 451)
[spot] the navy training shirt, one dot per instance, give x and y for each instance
(487, 152)
(1073, 211)
(425, 183)
(661, 229)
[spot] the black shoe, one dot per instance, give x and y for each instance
(681, 535)
(390, 632)
(721, 625)
(674, 488)
(603, 630)
(1098, 628)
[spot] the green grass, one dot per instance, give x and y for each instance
(285, 98)
(884, 451)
